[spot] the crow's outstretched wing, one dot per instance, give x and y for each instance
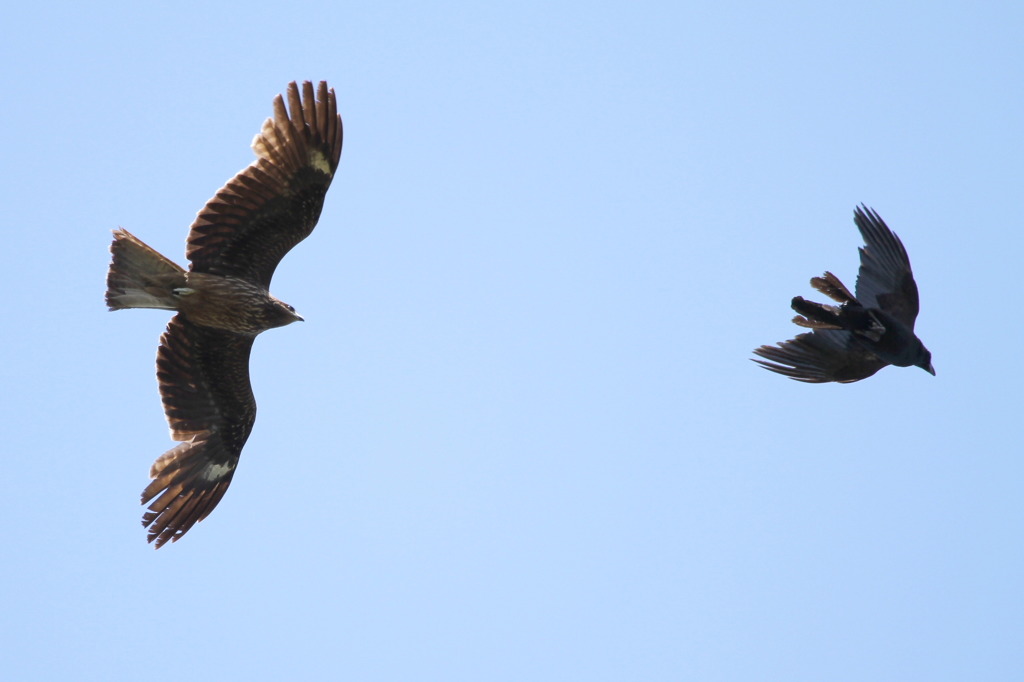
(885, 279)
(820, 356)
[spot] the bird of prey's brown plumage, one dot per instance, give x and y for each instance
(866, 332)
(222, 302)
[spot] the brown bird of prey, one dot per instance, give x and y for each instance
(222, 302)
(875, 328)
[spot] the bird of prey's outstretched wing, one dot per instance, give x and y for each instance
(269, 207)
(820, 356)
(885, 279)
(204, 382)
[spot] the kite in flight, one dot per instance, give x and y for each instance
(875, 328)
(222, 302)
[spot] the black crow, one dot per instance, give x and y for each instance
(875, 328)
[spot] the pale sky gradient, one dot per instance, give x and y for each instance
(519, 436)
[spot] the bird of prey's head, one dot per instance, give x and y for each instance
(277, 313)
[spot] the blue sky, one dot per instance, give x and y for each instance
(519, 436)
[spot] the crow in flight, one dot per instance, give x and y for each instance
(866, 332)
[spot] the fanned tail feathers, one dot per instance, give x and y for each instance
(139, 276)
(819, 315)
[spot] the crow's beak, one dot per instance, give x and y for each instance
(930, 369)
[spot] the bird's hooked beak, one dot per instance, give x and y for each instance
(284, 314)
(929, 369)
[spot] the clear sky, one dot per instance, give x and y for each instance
(519, 436)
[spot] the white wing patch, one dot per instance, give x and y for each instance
(318, 160)
(215, 472)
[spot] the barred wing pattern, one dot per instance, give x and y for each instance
(204, 383)
(253, 221)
